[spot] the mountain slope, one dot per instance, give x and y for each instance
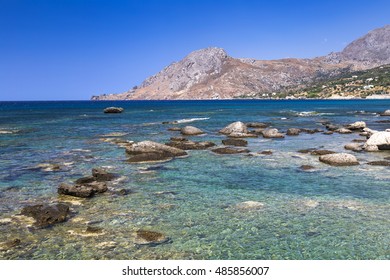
(211, 74)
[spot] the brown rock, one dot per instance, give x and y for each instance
(229, 151)
(113, 110)
(147, 237)
(321, 152)
(191, 130)
(46, 215)
(339, 159)
(76, 190)
(235, 142)
(293, 131)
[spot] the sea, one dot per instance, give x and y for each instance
(325, 213)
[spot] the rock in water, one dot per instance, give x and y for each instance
(357, 126)
(102, 175)
(272, 133)
(356, 147)
(229, 151)
(257, 125)
(386, 113)
(76, 190)
(378, 141)
(147, 237)
(235, 142)
(46, 215)
(151, 151)
(236, 127)
(185, 144)
(339, 159)
(191, 130)
(113, 110)
(293, 131)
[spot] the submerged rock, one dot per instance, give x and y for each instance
(379, 163)
(147, 237)
(306, 167)
(191, 130)
(46, 215)
(272, 133)
(48, 167)
(266, 152)
(321, 152)
(339, 159)
(235, 142)
(249, 205)
(378, 141)
(229, 150)
(113, 110)
(7, 245)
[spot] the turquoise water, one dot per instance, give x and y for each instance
(330, 213)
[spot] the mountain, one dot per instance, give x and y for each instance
(212, 74)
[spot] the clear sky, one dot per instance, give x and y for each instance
(72, 49)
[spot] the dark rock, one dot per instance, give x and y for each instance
(359, 140)
(190, 145)
(328, 132)
(332, 127)
(123, 192)
(321, 152)
(306, 167)
(85, 180)
(113, 110)
(229, 151)
(257, 125)
(101, 175)
(97, 187)
(91, 229)
(379, 163)
(235, 142)
(147, 237)
(76, 190)
(266, 152)
(46, 215)
(178, 139)
(383, 121)
(306, 151)
(174, 129)
(311, 131)
(293, 131)
(147, 157)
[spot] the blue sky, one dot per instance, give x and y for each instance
(72, 49)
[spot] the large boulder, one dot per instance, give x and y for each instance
(339, 159)
(191, 130)
(378, 141)
(152, 151)
(234, 128)
(356, 126)
(46, 215)
(272, 133)
(113, 110)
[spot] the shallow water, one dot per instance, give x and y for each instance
(330, 213)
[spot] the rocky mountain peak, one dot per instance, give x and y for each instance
(373, 49)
